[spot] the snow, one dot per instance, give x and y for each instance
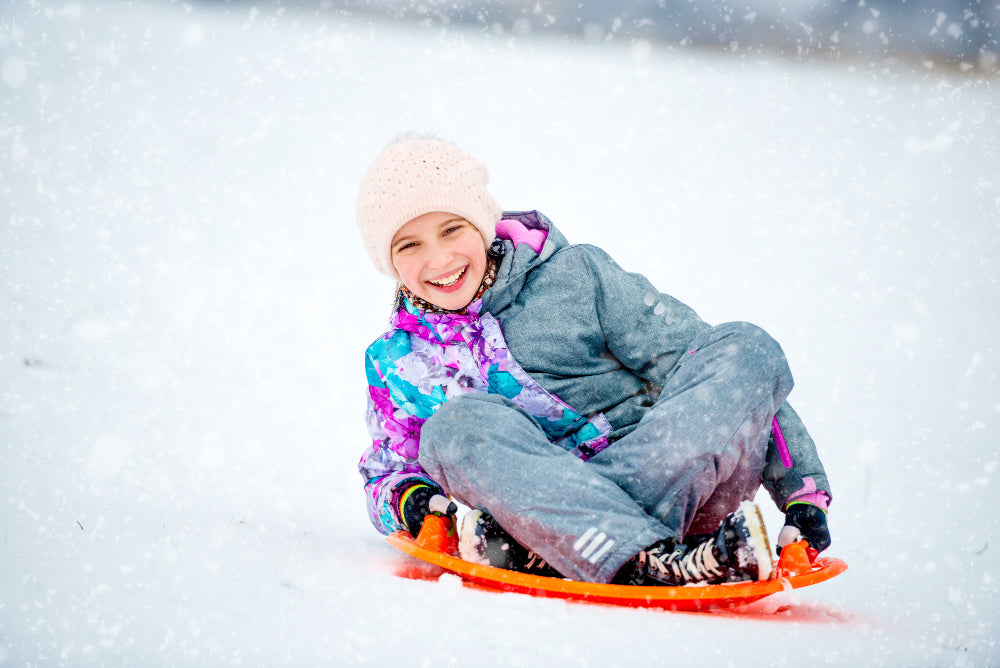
(184, 302)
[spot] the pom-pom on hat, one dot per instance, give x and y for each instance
(415, 175)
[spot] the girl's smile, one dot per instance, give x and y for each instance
(441, 258)
(450, 281)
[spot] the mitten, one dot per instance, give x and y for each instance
(805, 521)
(419, 501)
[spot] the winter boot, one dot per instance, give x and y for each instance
(738, 550)
(483, 541)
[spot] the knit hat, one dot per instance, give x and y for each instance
(418, 175)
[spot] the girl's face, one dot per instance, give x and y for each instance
(441, 258)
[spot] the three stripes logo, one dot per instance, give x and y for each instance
(593, 544)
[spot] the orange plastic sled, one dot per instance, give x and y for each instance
(437, 545)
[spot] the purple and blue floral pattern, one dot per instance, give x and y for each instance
(428, 358)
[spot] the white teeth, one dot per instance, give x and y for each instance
(449, 280)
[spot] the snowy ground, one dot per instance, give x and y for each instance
(184, 302)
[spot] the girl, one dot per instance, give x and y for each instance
(599, 430)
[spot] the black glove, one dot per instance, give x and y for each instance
(421, 500)
(804, 520)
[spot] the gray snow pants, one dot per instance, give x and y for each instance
(694, 456)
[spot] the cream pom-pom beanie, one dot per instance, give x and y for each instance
(416, 175)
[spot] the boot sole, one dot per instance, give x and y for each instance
(471, 544)
(758, 539)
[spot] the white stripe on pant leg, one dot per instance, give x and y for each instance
(598, 539)
(600, 553)
(582, 540)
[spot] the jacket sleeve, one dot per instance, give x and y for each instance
(389, 466)
(803, 478)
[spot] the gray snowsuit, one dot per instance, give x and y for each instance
(691, 411)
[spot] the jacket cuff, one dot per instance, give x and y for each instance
(809, 494)
(403, 488)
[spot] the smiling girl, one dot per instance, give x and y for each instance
(442, 256)
(597, 428)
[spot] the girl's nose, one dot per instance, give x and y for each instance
(439, 257)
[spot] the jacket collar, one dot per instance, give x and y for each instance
(436, 327)
(529, 239)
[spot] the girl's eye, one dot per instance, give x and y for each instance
(453, 228)
(406, 246)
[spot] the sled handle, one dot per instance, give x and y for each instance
(796, 559)
(438, 534)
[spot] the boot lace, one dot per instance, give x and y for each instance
(697, 565)
(534, 562)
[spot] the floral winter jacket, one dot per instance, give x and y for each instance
(592, 345)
